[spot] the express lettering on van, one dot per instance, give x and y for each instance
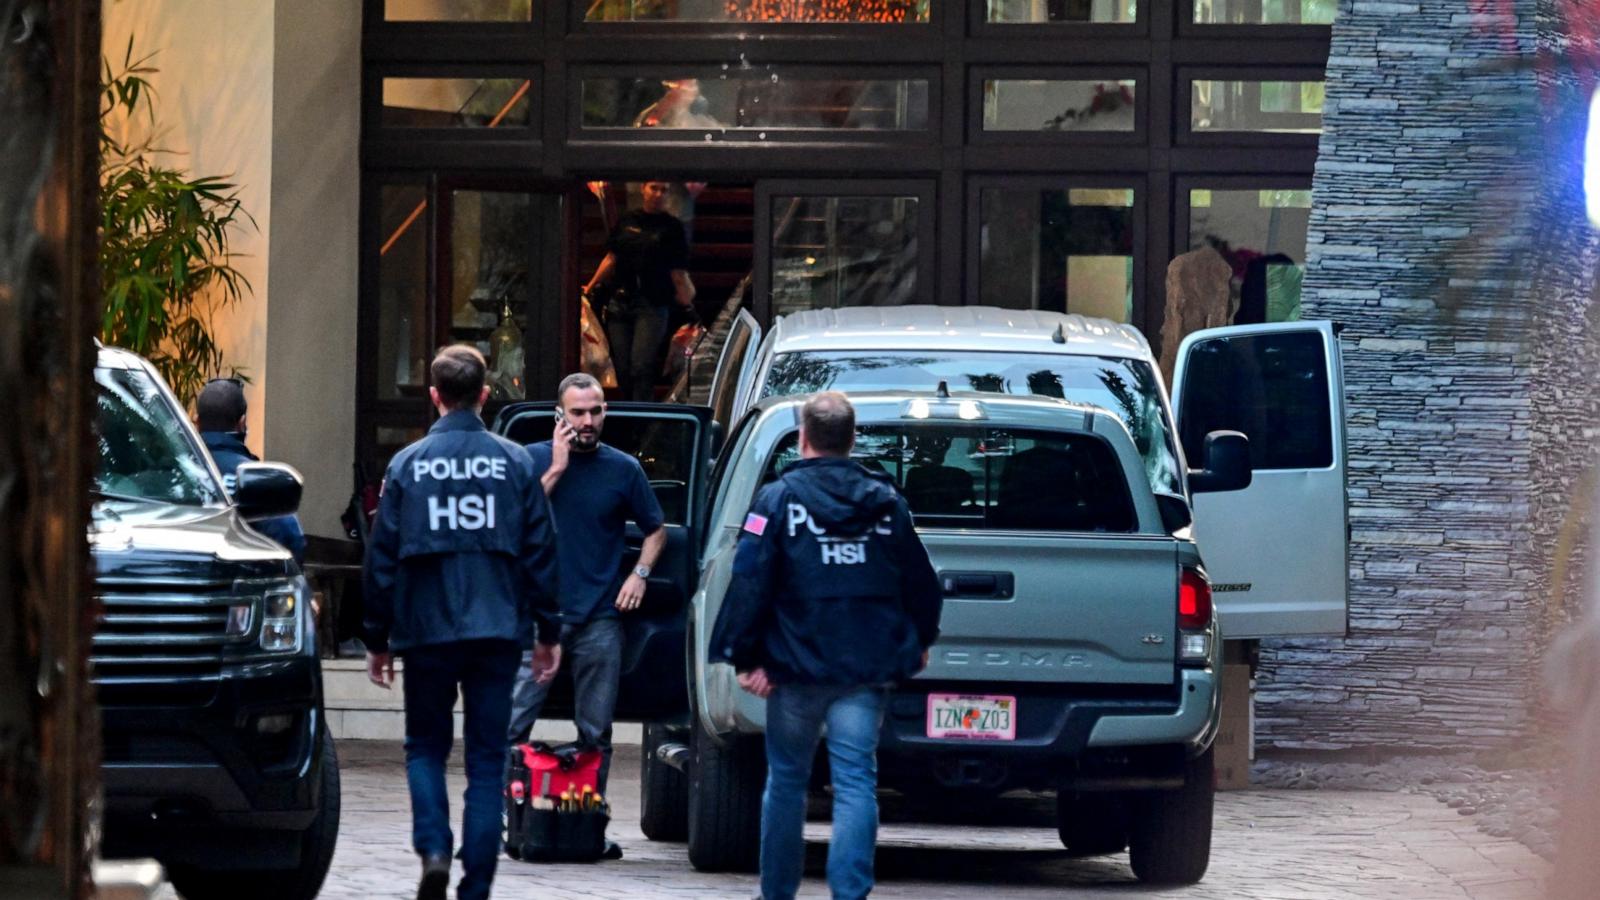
(466, 513)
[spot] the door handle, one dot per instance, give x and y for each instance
(978, 585)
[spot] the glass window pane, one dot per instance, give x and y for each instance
(1265, 12)
(758, 101)
(1063, 12)
(457, 103)
(1262, 235)
(1272, 387)
(1130, 388)
(491, 239)
(966, 476)
(403, 292)
(1285, 107)
(457, 10)
(1037, 105)
(1059, 249)
(843, 251)
(871, 12)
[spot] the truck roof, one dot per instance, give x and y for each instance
(1026, 410)
(968, 328)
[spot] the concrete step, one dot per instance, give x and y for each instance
(357, 709)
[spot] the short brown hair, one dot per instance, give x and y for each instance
(829, 423)
(577, 381)
(458, 372)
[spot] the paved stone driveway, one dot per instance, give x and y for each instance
(1273, 845)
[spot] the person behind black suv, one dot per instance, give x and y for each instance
(218, 761)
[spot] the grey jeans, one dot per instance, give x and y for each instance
(593, 653)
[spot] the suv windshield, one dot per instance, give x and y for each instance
(145, 451)
(1125, 387)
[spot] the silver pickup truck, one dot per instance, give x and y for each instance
(1045, 473)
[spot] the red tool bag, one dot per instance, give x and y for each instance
(537, 830)
(547, 771)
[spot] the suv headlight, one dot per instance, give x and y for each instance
(281, 616)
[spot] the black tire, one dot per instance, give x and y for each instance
(303, 881)
(725, 784)
(1169, 841)
(1093, 824)
(663, 791)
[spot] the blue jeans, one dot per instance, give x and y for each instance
(796, 715)
(483, 671)
(593, 652)
(635, 328)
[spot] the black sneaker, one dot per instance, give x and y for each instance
(435, 878)
(612, 851)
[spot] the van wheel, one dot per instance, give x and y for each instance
(304, 879)
(725, 784)
(1169, 841)
(663, 791)
(1093, 824)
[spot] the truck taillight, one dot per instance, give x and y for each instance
(1194, 601)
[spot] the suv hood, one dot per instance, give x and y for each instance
(216, 532)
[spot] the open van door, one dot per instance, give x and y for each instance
(673, 444)
(734, 369)
(1276, 551)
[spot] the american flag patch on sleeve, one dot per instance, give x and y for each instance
(755, 524)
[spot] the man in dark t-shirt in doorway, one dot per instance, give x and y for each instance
(594, 491)
(646, 265)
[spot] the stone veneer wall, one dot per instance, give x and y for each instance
(1439, 237)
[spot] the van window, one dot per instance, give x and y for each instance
(1127, 388)
(1272, 387)
(966, 476)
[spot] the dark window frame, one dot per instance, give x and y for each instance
(977, 75)
(1063, 181)
(978, 25)
(679, 27)
(1183, 132)
(925, 190)
(745, 136)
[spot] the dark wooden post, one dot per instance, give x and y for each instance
(49, 304)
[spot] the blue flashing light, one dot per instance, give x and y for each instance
(1591, 161)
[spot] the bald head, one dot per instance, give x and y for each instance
(828, 424)
(220, 406)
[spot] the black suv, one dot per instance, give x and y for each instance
(218, 760)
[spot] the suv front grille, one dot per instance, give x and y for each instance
(161, 642)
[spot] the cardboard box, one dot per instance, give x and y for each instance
(1235, 743)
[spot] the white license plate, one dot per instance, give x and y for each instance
(976, 717)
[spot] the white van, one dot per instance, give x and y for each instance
(1276, 551)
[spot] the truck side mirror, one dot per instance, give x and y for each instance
(1227, 464)
(265, 490)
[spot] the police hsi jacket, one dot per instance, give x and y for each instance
(830, 583)
(462, 547)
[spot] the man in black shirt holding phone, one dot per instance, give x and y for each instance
(594, 491)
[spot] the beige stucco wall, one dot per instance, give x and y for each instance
(255, 89)
(311, 355)
(214, 111)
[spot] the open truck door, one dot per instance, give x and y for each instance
(673, 444)
(735, 368)
(1276, 551)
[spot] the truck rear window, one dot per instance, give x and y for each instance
(971, 476)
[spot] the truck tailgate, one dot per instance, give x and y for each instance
(1081, 608)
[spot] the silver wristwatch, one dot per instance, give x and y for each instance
(642, 571)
